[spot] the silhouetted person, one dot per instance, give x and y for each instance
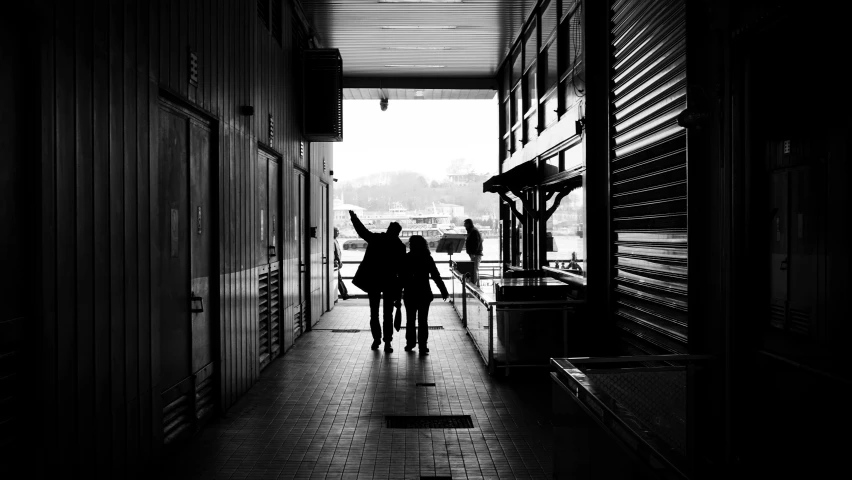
(473, 247)
(378, 275)
(419, 266)
(338, 264)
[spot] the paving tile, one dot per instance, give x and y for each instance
(318, 412)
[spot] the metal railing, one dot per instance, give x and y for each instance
(488, 270)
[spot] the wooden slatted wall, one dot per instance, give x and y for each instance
(103, 65)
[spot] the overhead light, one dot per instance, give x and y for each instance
(417, 48)
(418, 93)
(418, 27)
(398, 65)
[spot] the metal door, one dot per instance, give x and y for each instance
(324, 247)
(274, 214)
(778, 248)
(262, 195)
(175, 341)
(302, 314)
(185, 213)
(201, 244)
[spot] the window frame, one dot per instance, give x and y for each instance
(532, 32)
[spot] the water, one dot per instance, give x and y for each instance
(490, 251)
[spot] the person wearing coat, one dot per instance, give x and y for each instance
(378, 275)
(419, 267)
(338, 265)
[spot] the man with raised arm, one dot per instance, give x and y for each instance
(379, 275)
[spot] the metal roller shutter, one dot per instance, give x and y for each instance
(649, 175)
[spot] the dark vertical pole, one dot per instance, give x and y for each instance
(597, 153)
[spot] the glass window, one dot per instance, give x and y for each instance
(550, 60)
(516, 66)
(507, 116)
(531, 124)
(575, 42)
(507, 81)
(530, 47)
(573, 158)
(548, 21)
(550, 109)
(519, 105)
(532, 92)
(567, 226)
(551, 166)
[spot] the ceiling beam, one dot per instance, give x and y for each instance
(457, 83)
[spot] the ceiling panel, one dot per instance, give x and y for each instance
(417, 94)
(467, 38)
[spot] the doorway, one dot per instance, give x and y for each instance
(302, 317)
(324, 247)
(186, 212)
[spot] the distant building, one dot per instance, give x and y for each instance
(449, 209)
(467, 178)
(341, 210)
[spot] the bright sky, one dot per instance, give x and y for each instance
(418, 135)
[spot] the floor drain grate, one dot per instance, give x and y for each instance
(344, 330)
(429, 421)
(422, 384)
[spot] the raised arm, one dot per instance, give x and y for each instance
(436, 276)
(360, 228)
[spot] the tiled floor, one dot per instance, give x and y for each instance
(318, 412)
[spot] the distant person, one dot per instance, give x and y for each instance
(417, 293)
(338, 264)
(473, 247)
(378, 275)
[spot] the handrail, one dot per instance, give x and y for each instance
(639, 358)
(804, 367)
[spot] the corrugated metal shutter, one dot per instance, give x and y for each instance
(649, 175)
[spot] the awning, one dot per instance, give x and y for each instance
(514, 180)
(528, 175)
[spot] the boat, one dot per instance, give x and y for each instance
(430, 233)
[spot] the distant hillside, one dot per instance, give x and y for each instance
(415, 192)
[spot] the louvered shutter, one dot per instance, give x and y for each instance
(322, 103)
(649, 175)
(263, 316)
